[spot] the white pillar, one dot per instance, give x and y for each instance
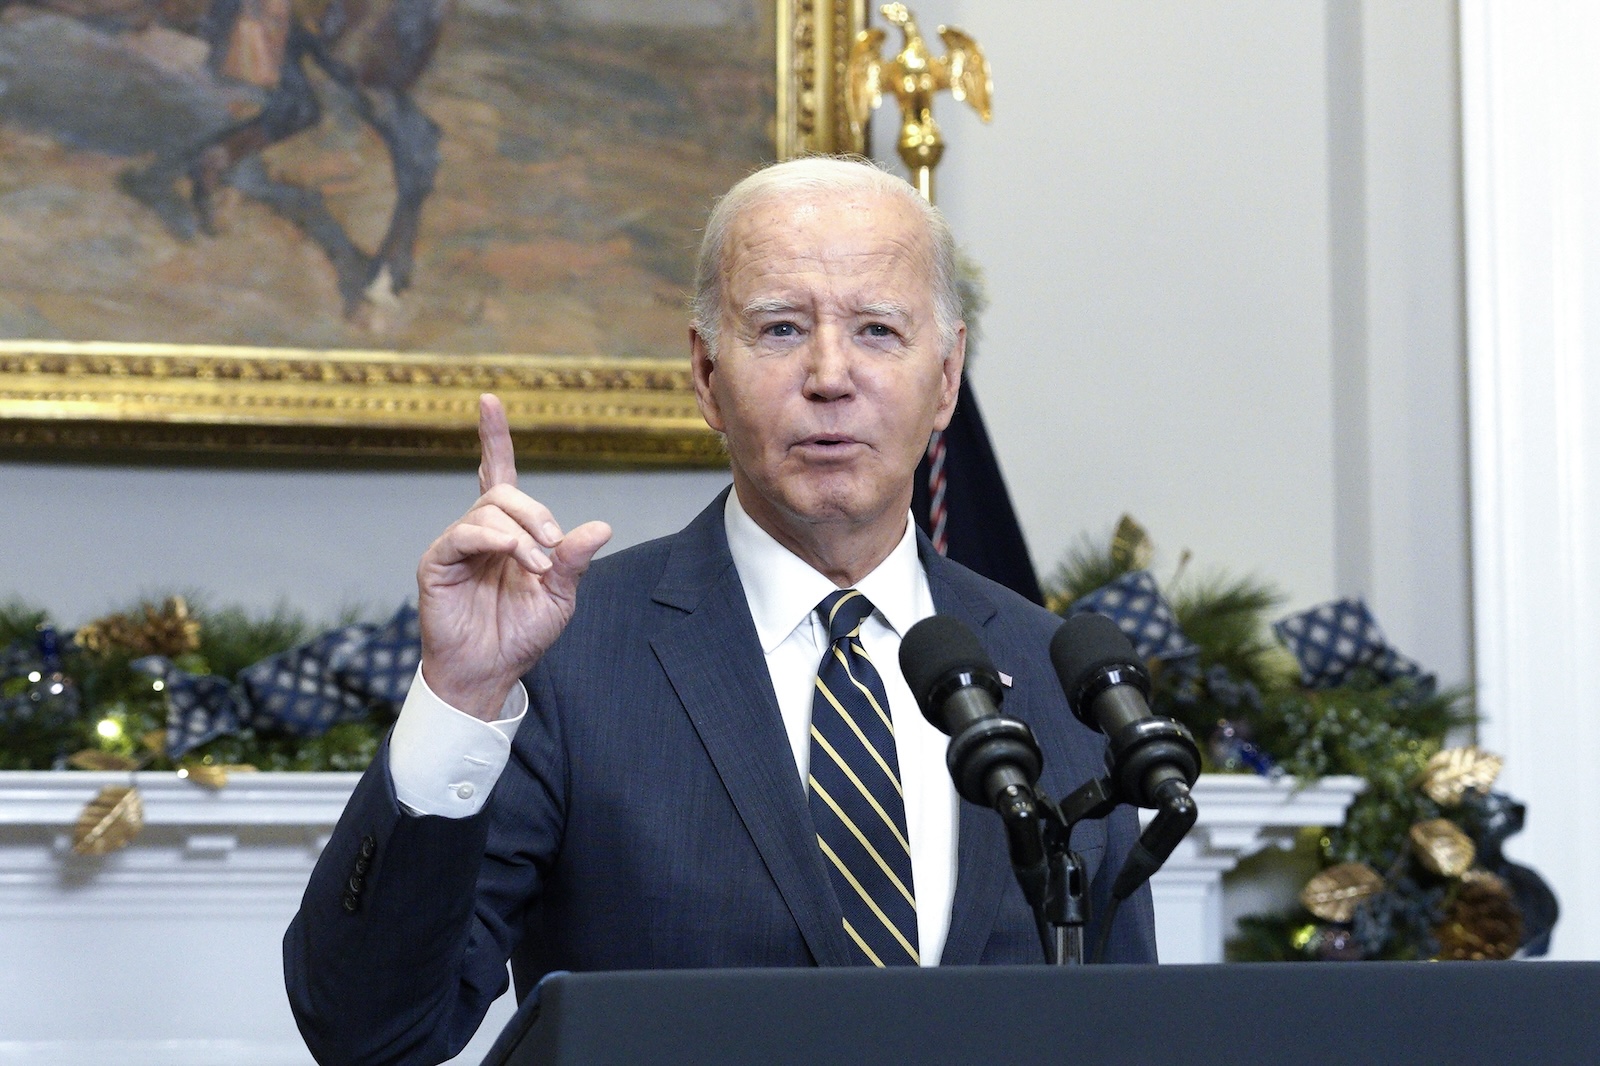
(1531, 153)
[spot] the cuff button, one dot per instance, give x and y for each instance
(465, 791)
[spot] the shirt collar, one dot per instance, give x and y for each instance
(783, 590)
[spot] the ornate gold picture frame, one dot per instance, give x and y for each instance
(627, 408)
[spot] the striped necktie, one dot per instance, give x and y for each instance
(856, 800)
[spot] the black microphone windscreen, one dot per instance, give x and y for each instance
(935, 648)
(1085, 645)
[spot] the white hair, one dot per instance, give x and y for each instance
(820, 175)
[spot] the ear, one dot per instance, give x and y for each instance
(704, 366)
(950, 377)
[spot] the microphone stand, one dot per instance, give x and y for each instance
(995, 761)
(1052, 875)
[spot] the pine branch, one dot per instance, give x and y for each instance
(19, 621)
(1086, 568)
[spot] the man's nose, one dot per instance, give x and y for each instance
(829, 372)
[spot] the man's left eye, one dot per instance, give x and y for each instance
(878, 329)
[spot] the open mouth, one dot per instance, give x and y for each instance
(828, 443)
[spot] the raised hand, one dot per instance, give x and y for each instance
(498, 586)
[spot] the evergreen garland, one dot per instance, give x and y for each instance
(113, 709)
(78, 701)
(1243, 683)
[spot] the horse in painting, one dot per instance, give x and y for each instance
(375, 50)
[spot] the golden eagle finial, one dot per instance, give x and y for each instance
(914, 77)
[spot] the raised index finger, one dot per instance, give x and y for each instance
(499, 463)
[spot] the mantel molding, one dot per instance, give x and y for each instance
(1242, 814)
(52, 798)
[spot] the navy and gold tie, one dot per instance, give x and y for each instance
(856, 799)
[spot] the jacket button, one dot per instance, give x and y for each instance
(369, 845)
(363, 864)
(356, 884)
(352, 902)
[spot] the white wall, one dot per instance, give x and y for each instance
(83, 539)
(1415, 537)
(1150, 205)
(1222, 242)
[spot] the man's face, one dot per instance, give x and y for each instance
(830, 377)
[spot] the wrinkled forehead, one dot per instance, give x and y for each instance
(862, 235)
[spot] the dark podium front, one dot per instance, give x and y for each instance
(1296, 1013)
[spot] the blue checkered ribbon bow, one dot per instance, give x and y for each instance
(1135, 603)
(1336, 639)
(340, 676)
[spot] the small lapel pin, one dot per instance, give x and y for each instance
(1005, 678)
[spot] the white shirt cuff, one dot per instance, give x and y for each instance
(444, 761)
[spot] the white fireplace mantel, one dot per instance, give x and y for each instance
(1240, 814)
(167, 953)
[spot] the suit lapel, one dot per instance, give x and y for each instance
(983, 866)
(712, 657)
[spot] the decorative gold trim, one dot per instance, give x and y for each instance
(564, 411)
(814, 39)
(172, 397)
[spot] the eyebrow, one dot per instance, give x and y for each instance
(777, 306)
(768, 306)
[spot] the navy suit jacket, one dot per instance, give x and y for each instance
(651, 816)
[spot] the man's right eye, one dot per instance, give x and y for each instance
(781, 329)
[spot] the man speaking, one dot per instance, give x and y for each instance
(700, 751)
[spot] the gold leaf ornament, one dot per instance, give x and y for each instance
(95, 759)
(110, 821)
(1442, 847)
(212, 775)
(1131, 546)
(1450, 773)
(1334, 894)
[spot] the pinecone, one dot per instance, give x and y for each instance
(169, 631)
(1483, 922)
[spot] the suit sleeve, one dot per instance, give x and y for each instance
(401, 941)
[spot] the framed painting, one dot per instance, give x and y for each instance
(311, 226)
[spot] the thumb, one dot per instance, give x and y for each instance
(570, 559)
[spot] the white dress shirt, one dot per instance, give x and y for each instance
(445, 762)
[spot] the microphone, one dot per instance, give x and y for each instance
(994, 760)
(1153, 760)
(959, 692)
